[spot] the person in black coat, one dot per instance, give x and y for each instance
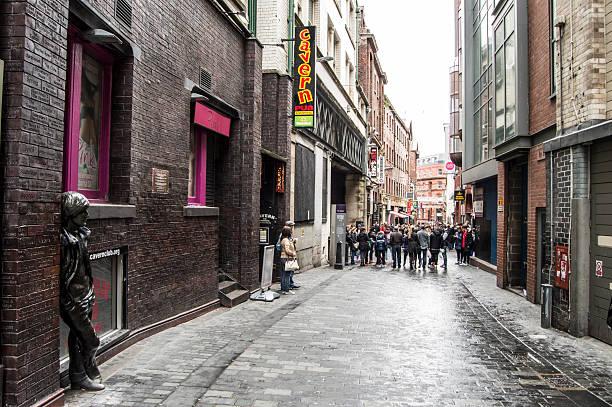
(435, 244)
(364, 245)
(466, 245)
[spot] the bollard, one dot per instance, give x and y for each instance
(338, 265)
(546, 313)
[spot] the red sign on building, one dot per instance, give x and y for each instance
(280, 176)
(562, 271)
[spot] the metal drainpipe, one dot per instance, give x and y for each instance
(291, 29)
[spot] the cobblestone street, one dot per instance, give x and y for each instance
(365, 337)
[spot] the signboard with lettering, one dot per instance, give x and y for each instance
(500, 205)
(160, 183)
(599, 268)
(373, 159)
(381, 169)
(211, 120)
(280, 177)
(562, 271)
(304, 78)
(460, 195)
(478, 209)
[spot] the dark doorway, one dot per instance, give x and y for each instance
(338, 187)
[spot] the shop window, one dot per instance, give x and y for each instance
(108, 271)
(88, 112)
(202, 163)
(304, 184)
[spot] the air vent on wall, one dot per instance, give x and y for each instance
(123, 12)
(205, 79)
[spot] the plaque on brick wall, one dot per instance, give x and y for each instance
(160, 183)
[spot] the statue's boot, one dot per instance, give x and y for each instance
(91, 367)
(85, 383)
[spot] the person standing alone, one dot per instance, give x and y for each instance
(395, 239)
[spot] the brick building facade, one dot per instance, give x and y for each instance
(431, 189)
(170, 249)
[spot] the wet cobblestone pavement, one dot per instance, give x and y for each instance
(365, 337)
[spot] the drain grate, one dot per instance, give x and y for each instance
(561, 382)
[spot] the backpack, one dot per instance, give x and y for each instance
(278, 246)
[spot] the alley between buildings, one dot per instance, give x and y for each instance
(364, 337)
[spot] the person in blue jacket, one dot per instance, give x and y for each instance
(380, 244)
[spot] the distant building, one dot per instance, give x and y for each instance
(431, 188)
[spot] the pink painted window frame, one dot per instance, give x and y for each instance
(76, 48)
(201, 144)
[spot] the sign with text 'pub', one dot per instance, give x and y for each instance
(304, 78)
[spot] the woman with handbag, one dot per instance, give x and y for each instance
(288, 260)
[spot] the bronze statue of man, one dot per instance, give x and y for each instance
(77, 295)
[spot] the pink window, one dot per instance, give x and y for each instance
(197, 167)
(87, 138)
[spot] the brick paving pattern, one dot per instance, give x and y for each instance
(364, 337)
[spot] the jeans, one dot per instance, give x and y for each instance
(423, 257)
(353, 254)
(380, 257)
(459, 255)
(396, 254)
(285, 277)
(405, 257)
(444, 257)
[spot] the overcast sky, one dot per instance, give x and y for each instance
(415, 40)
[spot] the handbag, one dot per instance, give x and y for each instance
(356, 245)
(292, 265)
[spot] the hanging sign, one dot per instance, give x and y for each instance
(460, 195)
(280, 176)
(373, 162)
(599, 268)
(381, 169)
(304, 78)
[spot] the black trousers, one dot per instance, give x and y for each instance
(83, 342)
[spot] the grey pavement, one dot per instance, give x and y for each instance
(364, 337)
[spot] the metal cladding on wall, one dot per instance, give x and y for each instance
(304, 78)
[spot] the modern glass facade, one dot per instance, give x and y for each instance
(505, 78)
(482, 78)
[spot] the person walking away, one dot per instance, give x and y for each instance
(458, 243)
(287, 252)
(446, 239)
(435, 245)
(423, 237)
(363, 245)
(380, 246)
(413, 249)
(395, 239)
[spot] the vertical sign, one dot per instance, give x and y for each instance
(599, 268)
(562, 267)
(304, 78)
(381, 169)
(1, 91)
(373, 162)
(280, 177)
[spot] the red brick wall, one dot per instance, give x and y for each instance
(541, 108)
(536, 199)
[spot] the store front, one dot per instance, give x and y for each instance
(485, 211)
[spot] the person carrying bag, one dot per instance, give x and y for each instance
(288, 260)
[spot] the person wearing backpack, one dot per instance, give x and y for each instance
(380, 245)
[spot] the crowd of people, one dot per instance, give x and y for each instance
(420, 246)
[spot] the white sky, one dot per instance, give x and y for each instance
(415, 40)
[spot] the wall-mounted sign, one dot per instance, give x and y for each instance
(460, 195)
(562, 271)
(381, 169)
(264, 235)
(500, 205)
(160, 182)
(211, 120)
(280, 177)
(373, 160)
(478, 209)
(304, 78)
(599, 268)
